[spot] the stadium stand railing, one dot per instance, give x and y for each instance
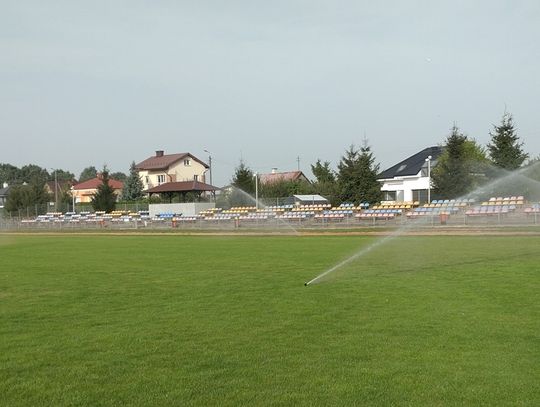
(315, 215)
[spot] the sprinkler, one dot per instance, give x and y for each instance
(306, 284)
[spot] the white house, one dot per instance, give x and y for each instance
(163, 168)
(408, 180)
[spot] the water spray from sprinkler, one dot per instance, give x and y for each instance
(518, 174)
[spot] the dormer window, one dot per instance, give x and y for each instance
(187, 162)
(161, 179)
(401, 167)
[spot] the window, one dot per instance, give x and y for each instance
(420, 195)
(195, 177)
(389, 195)
(187, 162)
(161, 179)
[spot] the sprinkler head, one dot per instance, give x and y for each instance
(306, 284)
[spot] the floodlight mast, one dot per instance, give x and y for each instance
(55, 190)
(428, 160)
(256, 175)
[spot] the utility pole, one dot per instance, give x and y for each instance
(209, 164)
(55, 191)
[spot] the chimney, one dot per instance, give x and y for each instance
(159, 153)
(100, 175)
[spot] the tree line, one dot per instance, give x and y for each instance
(28, 186)
(463, 167)
(466, 166)
(354, 181)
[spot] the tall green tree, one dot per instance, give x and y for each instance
(35, 174)
(322, 171)
(88, 173)
(357, 176)
(285, 188)
(9, 174)
(119, 176)
(325, 181)
(104, 199)
(28, 195)
(133, 185)
(61, 175)
(451, 177)
(505, 149)
(244, 186)
(244, 178)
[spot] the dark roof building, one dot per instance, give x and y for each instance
(412, 165)
(410, 179)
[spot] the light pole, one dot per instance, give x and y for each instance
(209, 164)
(256, 175)
(55, 190)
(428, 160)
(73, 197)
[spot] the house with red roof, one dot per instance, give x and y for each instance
(84, 191)
(164, 168)
(276, 176)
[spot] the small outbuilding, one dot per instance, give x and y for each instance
(181, 189)
(310, 200)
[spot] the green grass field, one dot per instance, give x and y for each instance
(205, 320)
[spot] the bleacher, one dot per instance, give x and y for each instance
(440, 207)
(534, 208)
(337, 213)
(314, 214)
(396, 205)
(379, 214)
(497, 206)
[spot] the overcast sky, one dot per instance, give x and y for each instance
(109, 82)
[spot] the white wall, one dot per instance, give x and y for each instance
(404, 186)
(186, 209)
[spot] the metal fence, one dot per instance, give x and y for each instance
(42, 209)
(459, 220)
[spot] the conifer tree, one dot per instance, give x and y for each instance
(133, 186)
(244, 183)
(505, 149)
(322, 172)
(326, 183)
(452, 178)
(104, 199)
(357, 176)
(243, 178)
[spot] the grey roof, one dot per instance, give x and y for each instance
(411, 166)
(5, 191)
(311, 198)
